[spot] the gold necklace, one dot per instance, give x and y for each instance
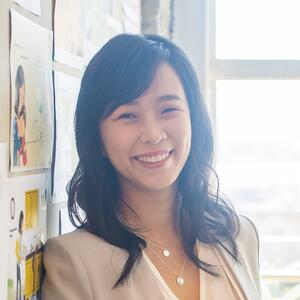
(165, 250)
(179, 277)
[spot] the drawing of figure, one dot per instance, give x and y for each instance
(35, 275)
(19, 124)
(20, 254)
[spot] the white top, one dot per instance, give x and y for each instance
(209, 286)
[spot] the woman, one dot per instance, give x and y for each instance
(149, 225)
(19, 122)
(20, 254)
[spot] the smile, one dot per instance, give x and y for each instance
(154, 161)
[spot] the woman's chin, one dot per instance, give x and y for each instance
(156, 186)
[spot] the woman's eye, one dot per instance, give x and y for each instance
(169, 109)
(127, 116)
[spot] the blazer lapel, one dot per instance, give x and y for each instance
(238, 275)
(143, 282)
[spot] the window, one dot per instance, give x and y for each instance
(255, 94)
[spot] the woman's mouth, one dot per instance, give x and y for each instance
(155, 161)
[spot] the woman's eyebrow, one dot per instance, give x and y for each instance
(168, 97)
(159, 98)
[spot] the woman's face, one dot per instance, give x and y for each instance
(22, 227)
(148, 140)
(22, 96)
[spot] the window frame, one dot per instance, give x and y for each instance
(241, 69)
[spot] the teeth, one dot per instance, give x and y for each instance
(153, 159)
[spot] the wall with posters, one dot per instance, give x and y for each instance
(39, 83)
(26, 100)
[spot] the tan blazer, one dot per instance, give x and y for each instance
(79, 265)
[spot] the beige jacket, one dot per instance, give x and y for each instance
(81, 266)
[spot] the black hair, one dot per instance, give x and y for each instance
(119, 73)
(21, 219)
(20, 81)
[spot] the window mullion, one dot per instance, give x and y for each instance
(255, 69)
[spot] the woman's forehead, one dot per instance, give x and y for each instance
(165, 77)
(165, 86)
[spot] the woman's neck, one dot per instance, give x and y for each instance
(153, 214)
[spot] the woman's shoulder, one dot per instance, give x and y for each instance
(79, 240)
(247, 238)
(246, 267)
(73, 237)
(81, 250)
(247, 242)
(65, 270)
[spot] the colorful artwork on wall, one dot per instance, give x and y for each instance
(32, 114)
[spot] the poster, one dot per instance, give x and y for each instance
(26, 197)
(69, 32)
(33, 6)
(66, 159)
(81, 28)
(95, 28)
(113, 18)
(4, 222)
(114, 9)
(114, 27)
(132, 16)
(31, 138)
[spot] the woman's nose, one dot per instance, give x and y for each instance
(152, 132)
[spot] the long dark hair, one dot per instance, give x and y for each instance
(19, 82)
(120, 72)
(21, 219)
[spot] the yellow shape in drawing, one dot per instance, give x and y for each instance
(37, 271)
(28, 278)
(33, 272)
(27, 210)
(31, 208)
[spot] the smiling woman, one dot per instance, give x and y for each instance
(152, 226)
(137, 137)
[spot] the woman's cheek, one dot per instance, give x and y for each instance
(180, 126)
(121, 140)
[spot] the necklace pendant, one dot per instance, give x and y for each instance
(180, 280)
(166, 253)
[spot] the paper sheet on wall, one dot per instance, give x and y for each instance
(33, 6)
(114, 9)
(65, 225)
(4, 222)
(132, 16)
(114, 18)
(123, 16)
(95, 28)
(31, 139)
(81, 28)
(114, 27)
(66, 159)
(69, 32)
(27, 197)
